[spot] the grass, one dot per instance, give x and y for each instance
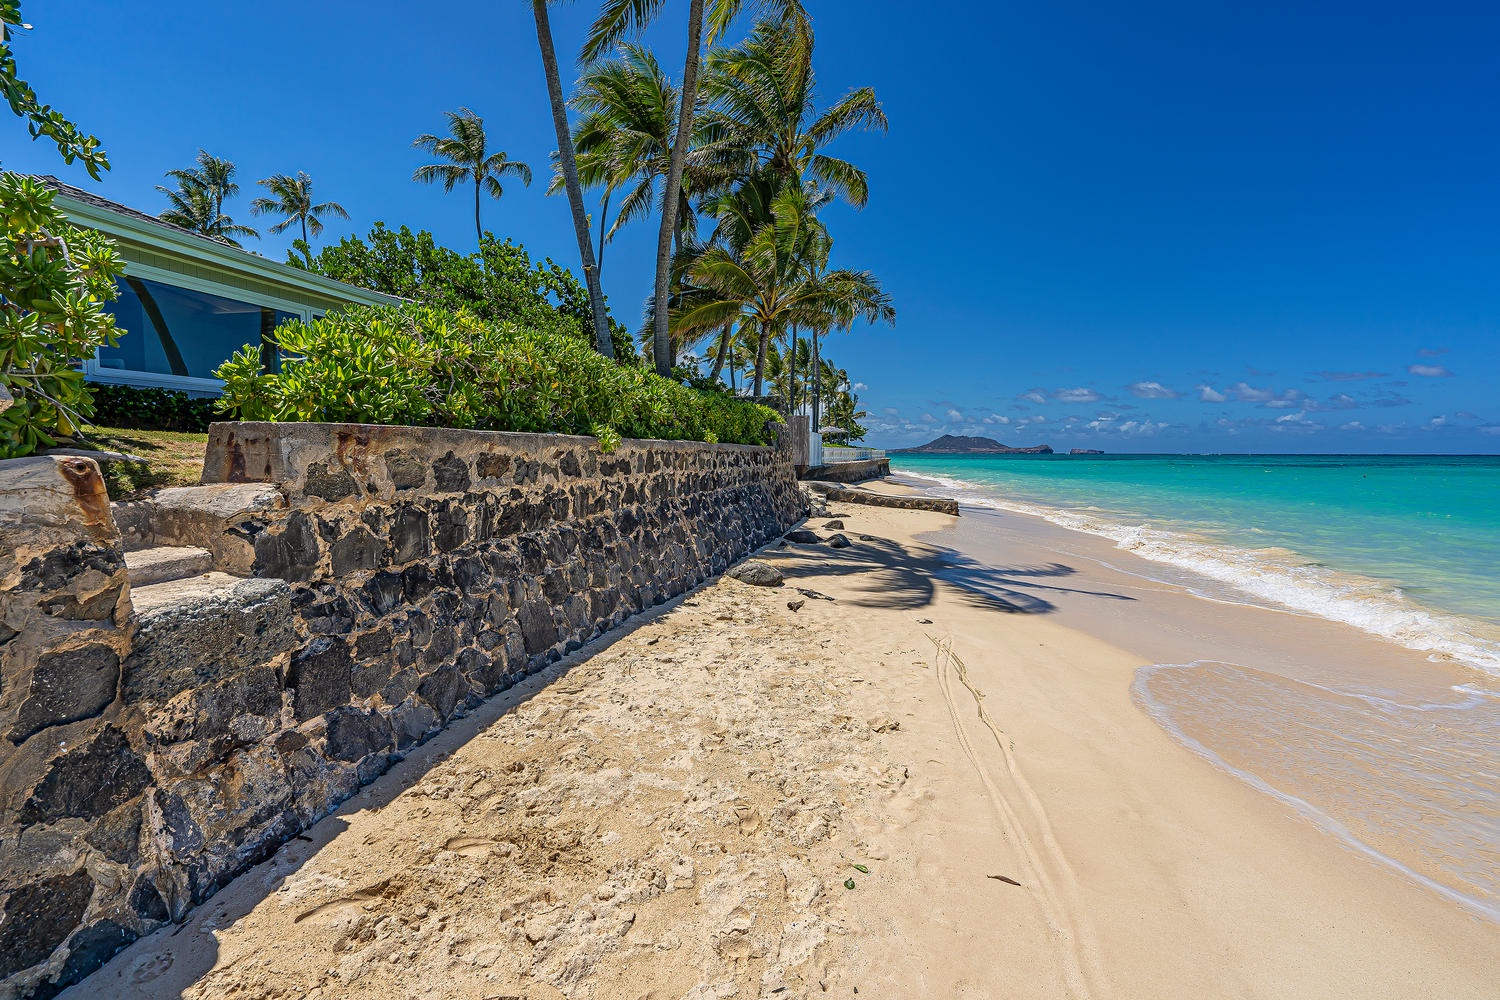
(172, 458)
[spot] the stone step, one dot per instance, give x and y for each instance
(166, 562)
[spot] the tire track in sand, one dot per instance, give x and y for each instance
(1051, 877)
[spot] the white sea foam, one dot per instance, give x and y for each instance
(1275, 575)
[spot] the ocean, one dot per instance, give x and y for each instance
(1405, 547)
(1404, 770)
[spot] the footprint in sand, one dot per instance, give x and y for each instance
(346, 906)
(149, 967)
(470, 847)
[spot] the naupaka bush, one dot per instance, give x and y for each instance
(432, 367)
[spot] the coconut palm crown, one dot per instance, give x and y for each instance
(292, 199)
(465, 151)
(197, 203)
(761, 100)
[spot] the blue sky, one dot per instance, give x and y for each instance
(1137, 227)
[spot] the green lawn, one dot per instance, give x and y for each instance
(171, 458)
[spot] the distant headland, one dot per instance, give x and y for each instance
(957, 444)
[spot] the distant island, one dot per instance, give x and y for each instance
(1085, 451)
(956, 444)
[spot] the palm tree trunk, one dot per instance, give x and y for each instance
(661, 340)
(304, 230)
(817, 400)
(791, 384)
(603, 219)
(760, 360)
(478, 229)
(570, 178)
(722, 353)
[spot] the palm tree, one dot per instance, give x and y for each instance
(853, 295)
(760, 97)
(623, 137)
(465, 148)
(197, 203)
(768, 281)
(293, 199)
(569, 164)
(211, 173)
(618, 18)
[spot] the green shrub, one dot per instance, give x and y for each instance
(54, 281)
(150, 409)
(432, 367)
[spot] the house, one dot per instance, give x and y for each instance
(188, 302)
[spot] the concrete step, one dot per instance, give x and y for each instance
(166, 562)
(194, 592)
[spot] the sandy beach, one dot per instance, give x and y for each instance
(935, 783)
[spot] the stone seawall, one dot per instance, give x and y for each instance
(850, 472)
(367, 586)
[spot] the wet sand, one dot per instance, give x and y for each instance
(674, 812)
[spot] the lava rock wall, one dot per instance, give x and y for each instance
(385, 581)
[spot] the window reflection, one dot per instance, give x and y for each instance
(169, 330)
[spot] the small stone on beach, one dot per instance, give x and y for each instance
(834, 524)
(867, 538)
(795, 605)
(838, 542)
(803, 537)
(756, 573)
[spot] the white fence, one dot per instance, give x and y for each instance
(833, 454)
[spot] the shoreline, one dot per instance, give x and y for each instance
(709, 775)
(1275, 576)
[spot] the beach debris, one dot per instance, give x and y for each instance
(803, 536)
(884, 724)
(838, 542)
(653, 640)
(924, 621)
(813, 594)
(860, 868)
(795, 605)
(756, 573)
(868, 538)
(1004, 878)
(834, 524)
(848, 883)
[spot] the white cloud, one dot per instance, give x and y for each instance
(955, 416)
(1209, 394)
(1247, 393)
(1429, 371)
(1079, 395)
(995, 418)
(928, 418)
(1153, 390)
(1353, 425)
(860, 387)
(1033, 396)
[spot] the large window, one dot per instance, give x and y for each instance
(176, 333)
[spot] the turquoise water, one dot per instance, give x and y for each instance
(1407, 547)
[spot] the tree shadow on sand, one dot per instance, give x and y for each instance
(897, 578)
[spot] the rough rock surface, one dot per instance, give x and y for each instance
(755, 572)
(803, 536)
(155, 742)
(938, 505)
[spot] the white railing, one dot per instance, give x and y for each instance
(833, 454)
